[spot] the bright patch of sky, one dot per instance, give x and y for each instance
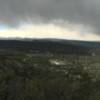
(47, 31)
(3, 27)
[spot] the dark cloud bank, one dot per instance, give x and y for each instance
(86, 12)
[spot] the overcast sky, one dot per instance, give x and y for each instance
(69, 19)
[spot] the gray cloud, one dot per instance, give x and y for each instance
(86, 12)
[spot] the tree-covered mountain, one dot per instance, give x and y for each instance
(45, 69)
(51, 45)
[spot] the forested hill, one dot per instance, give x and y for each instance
(49, 69)
(51, 46)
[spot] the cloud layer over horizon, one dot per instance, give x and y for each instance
(61, 13)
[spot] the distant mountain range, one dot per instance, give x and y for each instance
(56, 46)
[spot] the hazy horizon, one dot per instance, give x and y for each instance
(61, 19)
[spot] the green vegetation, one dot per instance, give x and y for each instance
(49, 70)
(29, 76)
